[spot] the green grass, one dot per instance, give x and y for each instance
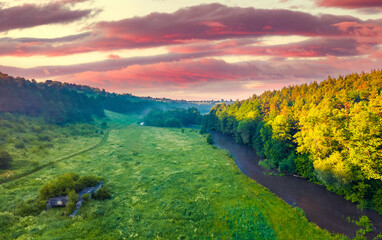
(166, 185)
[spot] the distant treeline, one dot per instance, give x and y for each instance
(178, 117)
(64, 102)
(330, 132)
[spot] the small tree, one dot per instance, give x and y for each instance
(102, 194)
(5, 159)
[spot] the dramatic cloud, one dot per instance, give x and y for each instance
(100, 66)
(31, 15)
(315, 47)
(187, 75)
(204, 22)
(350, 4)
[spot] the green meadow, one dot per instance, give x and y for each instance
(166, 183)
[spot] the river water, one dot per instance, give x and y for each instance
(326, 209)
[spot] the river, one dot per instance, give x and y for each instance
(326, 209)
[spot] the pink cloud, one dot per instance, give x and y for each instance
(31, 15)
(114, 56)
(314, 47)
(198, 23)
(350, 4)
(100, 66)
(192, 77)
(188, 73)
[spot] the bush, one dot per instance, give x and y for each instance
(377, 201)
(59, 186)
(86, 197)
(102, 194)
(71, 204)
(203, 130)
(88, 181)
(304, 167)
(45, 138)
(209, 139)
(287, 165)
(36, 129)
(5, 159)
(30, 207)
(6, 219)
(48, 145)
(67, 182)
(20, 145)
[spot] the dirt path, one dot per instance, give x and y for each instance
(51, 163)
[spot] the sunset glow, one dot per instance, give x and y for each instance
(190, 50)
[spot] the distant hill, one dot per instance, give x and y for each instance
(61, 102)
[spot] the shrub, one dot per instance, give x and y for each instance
(102, 194)
(58, 187)
(365, 223)
(36, 129)
(209, 139)
(377, 201)
(30, 207)
(48, 145)
(287, 165)
(88, 181)
(5, 159)
(66, 183)
(71, 204)
(203, 130)
(86, 197)
(304, 167)
(45, 138)
(20, 145)
(6, 219)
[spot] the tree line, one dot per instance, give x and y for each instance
(328, 132)
(178, 117)
(61, 103)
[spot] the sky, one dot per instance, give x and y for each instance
(189, 49)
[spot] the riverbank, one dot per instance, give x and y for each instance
(328, 210)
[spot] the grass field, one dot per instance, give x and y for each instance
(33, 143)
(166, 184)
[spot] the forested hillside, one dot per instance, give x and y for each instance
(65, 102)
(52, 100)
(329, 132)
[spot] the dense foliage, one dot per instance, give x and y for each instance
(178, 117)
(53, 100)
(67, 183)
(329, 132)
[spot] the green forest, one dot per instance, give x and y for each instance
(61, 103)
(329, 132)
(178, 117)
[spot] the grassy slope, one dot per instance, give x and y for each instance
(166, 185)
(42, 142)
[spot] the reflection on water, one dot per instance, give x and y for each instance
(326, 209)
